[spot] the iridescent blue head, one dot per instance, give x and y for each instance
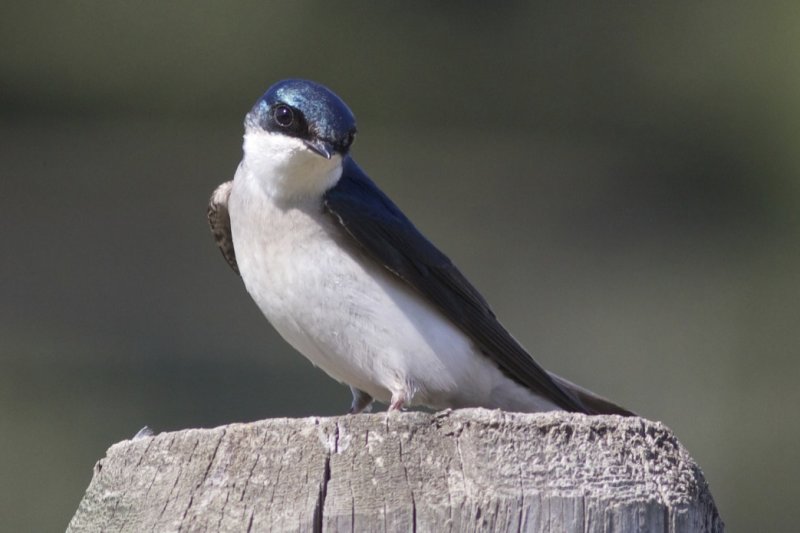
(307, 111)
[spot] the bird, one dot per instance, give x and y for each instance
(345, 277)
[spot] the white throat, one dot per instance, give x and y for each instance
(285, 168)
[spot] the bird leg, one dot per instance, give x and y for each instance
(398, 401)
(403, 397)
(362, 402)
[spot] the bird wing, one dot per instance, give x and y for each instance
(220, 221)
(386, 234)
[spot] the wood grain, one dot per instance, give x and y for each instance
(466, 470)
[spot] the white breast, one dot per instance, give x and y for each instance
(340, 309)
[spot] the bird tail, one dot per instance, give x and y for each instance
(595, 405)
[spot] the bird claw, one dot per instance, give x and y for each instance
(398, 402)
(362, 402)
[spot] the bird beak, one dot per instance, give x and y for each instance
(323, 148)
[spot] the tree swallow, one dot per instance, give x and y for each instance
(346, 279)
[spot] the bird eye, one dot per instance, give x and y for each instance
(283, 115)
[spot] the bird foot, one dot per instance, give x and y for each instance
(398, 401)
(362, 402)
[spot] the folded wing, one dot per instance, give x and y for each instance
(385, 233)
(220, 221)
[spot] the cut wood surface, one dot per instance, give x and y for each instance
(466, 470)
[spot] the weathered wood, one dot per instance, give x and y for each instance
(468, 470)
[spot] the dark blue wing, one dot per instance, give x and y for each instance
(385, 233)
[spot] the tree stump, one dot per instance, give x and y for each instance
(466, 470)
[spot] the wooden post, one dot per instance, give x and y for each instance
(467, 470)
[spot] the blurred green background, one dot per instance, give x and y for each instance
(620, 181)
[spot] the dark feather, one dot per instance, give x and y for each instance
(385, 233)
(220, 221)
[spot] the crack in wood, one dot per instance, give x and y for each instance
(319, 510)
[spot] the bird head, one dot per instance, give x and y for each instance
(297, 133)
